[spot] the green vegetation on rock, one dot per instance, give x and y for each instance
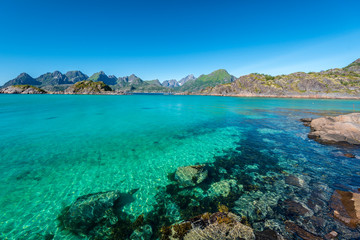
(88, 87)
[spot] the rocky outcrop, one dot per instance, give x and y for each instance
(22, 89)
(354, 66)
(336, 130)
(220, 225)
(191, 175)
(346, 207)
(88, 87)
(334, 83)
(89, 210)
(306, 121)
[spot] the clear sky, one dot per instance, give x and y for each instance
(173, 38)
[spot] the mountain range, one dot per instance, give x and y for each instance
(333, 82)
(57, 81)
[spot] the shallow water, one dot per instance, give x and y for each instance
(55, 148)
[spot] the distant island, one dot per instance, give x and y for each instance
(332, 83)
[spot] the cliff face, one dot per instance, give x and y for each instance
(88, 87)
(22, 89)
(333, 83)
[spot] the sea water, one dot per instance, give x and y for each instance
(56, 148)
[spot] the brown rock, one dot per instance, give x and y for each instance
(297, 209)
(220, 225)
(294, 181)
(349, 155)
(346, 207)
(306, 121)
(331, 235)
(336, 130)
(293, 228)
(268, 234)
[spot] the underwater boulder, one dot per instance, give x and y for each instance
(223, 188)
(294, 181)
(142, 233)
(336, 130)
(219, 225)
(298, 231)
(295, 208)
(191, 175)
(346, 207)
(89, 210)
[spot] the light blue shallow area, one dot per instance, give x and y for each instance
(55, 148)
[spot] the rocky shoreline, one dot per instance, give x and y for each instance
(338, 130)
(197, 94)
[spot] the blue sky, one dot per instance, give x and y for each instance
(171, 39)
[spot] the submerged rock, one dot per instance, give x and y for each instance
(142, 233)
(331, 235)
(223, 188)
(294, 208)
(303, 234)
(268, 234)
(336, 130)
(220, 225)
(89, 210)
(346, 207)
(191, 175)
(349, 155)
(294, 181)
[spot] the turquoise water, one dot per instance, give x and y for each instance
(55, 148)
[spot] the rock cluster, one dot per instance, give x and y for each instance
(22, 89)
(219, 225)
(336, 130)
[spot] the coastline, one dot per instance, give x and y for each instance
(249, 95)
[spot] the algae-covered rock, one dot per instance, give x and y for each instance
(89, 210)
(336, 130)
(220, 225)
(191, 175)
